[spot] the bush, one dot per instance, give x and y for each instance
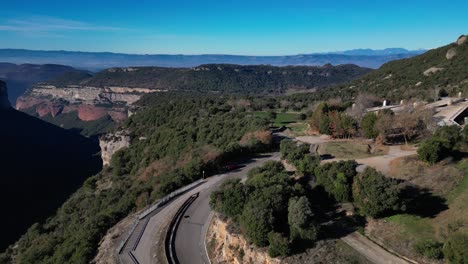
(374, 194)
(429, 248)
(300, 219)
(337, 179)
(455, 248)
(279, 245)
(229, 199)
(449, 136)
(431, 151)
(368, 125)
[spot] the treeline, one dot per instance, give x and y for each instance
(273, 209)
(374, 194)
(174, 138)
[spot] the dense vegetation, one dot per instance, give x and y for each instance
(180, 136)
(270, 208)
(442, 144)
(274, 209)
(226, 77)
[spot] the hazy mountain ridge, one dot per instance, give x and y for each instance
(101, 60)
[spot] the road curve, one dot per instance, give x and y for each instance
(189, 243)
(190, 237)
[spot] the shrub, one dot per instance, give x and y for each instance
(431, 151)
(429, 248)
(455, 248)
(374, 194)
(337, 179)
(279, 245)
(368, 125)
(449, 136)
(300, 219)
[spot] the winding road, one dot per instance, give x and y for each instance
(191, 231)
(189, 242)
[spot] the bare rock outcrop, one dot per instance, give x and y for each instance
(451, 53)
(233, 248)
(462, 40)
(432, 70)
(111, 143)
(4, 103)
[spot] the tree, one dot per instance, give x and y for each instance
(368, 125)
(229, 199)
(318, 119)
(279, 245)
(449, 136)
(431, 151)
(257, 221)
(299, 212)
(337, 178)
(455, 248)
(384, 124)
(300, 219)
(374, 194)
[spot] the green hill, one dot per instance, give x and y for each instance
(417, 77)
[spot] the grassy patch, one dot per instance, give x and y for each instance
(299, 129)
(350, 149)
(414, 226)
(281, 119)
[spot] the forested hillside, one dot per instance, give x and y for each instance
(174, 137)
(224, 77)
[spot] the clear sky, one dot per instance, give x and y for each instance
(263, 27)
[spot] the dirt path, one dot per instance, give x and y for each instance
(380, 163)
(371, 251)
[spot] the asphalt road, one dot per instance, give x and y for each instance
(189, 242)
(190, 236)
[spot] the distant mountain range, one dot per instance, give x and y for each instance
(96, 61)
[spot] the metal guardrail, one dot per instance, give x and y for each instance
(168, 197)
(127, 236)
(147, 212)
(169, 242)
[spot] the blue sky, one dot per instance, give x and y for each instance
(230, 27)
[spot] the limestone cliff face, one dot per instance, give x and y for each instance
(88, 101)
(111, 143)
(233, 248)
(4, 103)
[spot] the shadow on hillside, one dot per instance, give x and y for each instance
(422, 202)
(333, 221)
(41, 166)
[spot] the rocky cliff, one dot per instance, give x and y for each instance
(111, 143)
(4, 103)
(226, 246)
(91, 103)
